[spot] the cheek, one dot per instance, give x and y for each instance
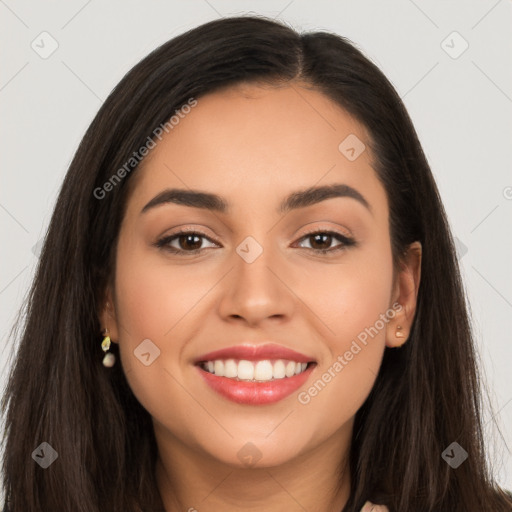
(353, 301)
(350, 296)
(152, 297)
(157, 303)
(146, 309)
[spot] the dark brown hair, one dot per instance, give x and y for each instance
(427, 394)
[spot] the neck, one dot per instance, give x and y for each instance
(194, 482)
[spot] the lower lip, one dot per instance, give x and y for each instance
(255, 393)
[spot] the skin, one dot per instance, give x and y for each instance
(254, 145)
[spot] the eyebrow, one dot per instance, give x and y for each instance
(216, 203)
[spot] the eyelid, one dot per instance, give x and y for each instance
(188, 229)
(327, 230)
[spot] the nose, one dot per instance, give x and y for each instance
(258, 291)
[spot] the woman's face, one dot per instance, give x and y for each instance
(259, 279)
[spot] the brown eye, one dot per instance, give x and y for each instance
(189, 241)
(184, 242)
(321, 241)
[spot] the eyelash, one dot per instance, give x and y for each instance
(163, 243)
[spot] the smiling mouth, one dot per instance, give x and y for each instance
(265, 370)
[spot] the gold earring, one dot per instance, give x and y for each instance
(398, 332)
(109, 358)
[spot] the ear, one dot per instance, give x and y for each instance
(108, 319)
(405, 293)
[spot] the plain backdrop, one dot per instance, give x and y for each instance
(451, 62)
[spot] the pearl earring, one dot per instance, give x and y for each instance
(109, 358)
(398, 332)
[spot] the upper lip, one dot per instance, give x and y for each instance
(250, 352)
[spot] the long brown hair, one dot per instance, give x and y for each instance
(427, 394)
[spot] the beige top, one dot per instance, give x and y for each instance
(370, 507)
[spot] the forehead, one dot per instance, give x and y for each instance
(259, 141)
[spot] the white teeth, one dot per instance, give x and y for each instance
(260, 371)
(279, 371)
(245, 370)
(263, 370)
(218, 368)
(230, 368)
(290, 369)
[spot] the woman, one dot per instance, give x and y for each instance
(251, 239)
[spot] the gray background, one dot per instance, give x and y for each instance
(461, 104)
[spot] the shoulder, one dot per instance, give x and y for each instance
(370, 507)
